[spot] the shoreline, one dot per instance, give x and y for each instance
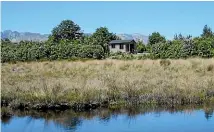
(8, 112)
(90, 106)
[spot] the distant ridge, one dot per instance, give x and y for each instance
(15, 36)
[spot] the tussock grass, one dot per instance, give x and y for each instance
(142, 81)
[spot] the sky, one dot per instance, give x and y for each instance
(142, 17)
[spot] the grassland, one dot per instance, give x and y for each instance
(169, 82)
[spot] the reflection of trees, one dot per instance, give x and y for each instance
(208, 113)
(6, 115)
(68, 124)
(104, 116)
(70, 120)
(6, 119)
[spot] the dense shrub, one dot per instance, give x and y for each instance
(141, 47)
(122, 56)
(159, 50)
(127, 56)
(116, 53)
(204, 47)
(32, 51)
(91, 51)
(201, 47)
(65, 42)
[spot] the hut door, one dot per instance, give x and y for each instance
(131, 48)
(127, 48)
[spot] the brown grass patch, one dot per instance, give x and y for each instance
(189, 81)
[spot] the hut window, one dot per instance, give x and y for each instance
(121, 46)
(113, 46)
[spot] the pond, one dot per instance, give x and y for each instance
(132, 119)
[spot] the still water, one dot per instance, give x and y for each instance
(190, 119)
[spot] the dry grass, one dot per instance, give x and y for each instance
(143, 81)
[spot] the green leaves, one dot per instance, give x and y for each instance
(183, 47)
(65, 42)
(140, 47)
(156, 38)
(91, 51)
(202, 47)
(66, 30)
(32, 51)
(102, 37)
(207, 32)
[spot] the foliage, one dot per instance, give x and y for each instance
(159, 50)
(184, 47)
(123, 56)
(141, 47)
(181, 37)
(66, 42)
(203, 47)
(207, 32)
(156, 37)
(91, 51)
(66, 30)
(127, 56)
(32, 51)
(116, 53)
(102, 37)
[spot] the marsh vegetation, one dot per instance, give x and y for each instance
(117, 82)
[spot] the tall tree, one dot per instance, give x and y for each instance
(181, 37)
(102, 37)
(156, 37)
(66, 30)
(207, 32)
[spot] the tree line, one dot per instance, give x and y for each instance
(181, 46)
(67, 41)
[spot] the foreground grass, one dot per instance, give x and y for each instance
(136, 81)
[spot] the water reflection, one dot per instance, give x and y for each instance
(208, 114)
(71, 121)
(6, 119)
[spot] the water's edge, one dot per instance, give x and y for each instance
(129, 109)
(70, 119)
